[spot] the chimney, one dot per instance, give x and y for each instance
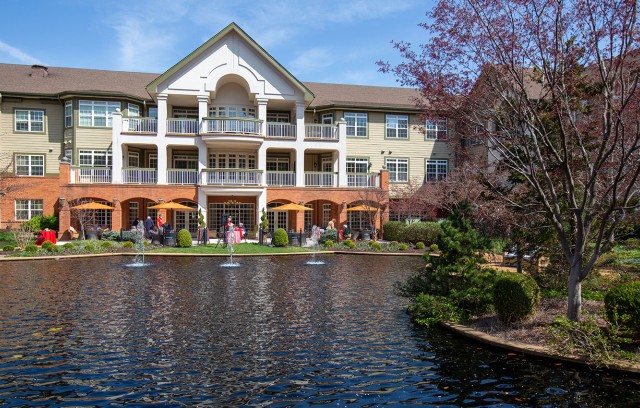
(39, 71)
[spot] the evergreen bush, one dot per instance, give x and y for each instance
(7, 248)
(328, 235)
(183, 239)
(394, 230)
(349, 243)
(105, 245)
(110, 235)
(329, 243)
(375, 245)
(422, 231)
(130, 236)
(420, 245)
(434, 247)
(402, 247)
(428, 310)
(31, 248)
(127, 244)
(47, 245)
(622, 306)
(68, 245)
(280, 238)
(515, 297)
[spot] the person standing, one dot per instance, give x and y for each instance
(148, 224)
(159, 221)
(332, 224)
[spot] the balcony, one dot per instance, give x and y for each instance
(281, 178)
(182, 176)
(323, 132)
(284, 130)
(140, 125)
(320, 179)
(182, 126)
(222, 177)
(234, 126)
(133, 175)
(363, 180)
(91, 175)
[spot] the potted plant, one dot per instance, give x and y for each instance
(264, 226)
(203, 234)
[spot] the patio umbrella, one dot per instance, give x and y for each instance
(362, 208)
(171, 206)
(290, 206)
(92, 206)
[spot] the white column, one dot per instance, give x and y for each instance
(299, 166)
(203, 109)
(300, 120)
(342, 153)
(162, 114)
(262, 203)
(262, 114)
(162, 161)
(116, 149)
(202, 205)
(203, 160)
(262, 162)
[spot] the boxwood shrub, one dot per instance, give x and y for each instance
(280, 238)
(422, 232)
(515, 297)
(622, 306)
(328, 235)
(394, 230)
(183, 239)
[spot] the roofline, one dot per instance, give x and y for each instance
(153, 86)
(385, 108)
(70, 94)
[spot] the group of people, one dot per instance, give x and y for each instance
(230, 227)
(343, 233)
(150, 229)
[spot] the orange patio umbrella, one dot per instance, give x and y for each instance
(92, 206)
(362, 208)
(290, 206)
(171, 206)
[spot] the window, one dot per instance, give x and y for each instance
(29, 165)
(152, 212)
(308, 218)
(29, 120)
(185, 113)
(27, 209)
(97, 113)
(153, 161)
(153, 112)
(277, 164)
(240, 212)
(95, 158)
(232, 112)
(184, 161)
(134, 211)
(327, 118)
(436, 170)
(68, 153)
(134, 159)
(68, 114)
(356, 124)
(397, 126)
(398, 169)
(357, 165)
(281, 117)
(103, 217)
(436, 129)
(134, 110)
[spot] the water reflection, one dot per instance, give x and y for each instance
(269, 332)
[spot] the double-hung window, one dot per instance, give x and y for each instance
(27, 209)
(436, 170)
(436, 129)
(30, 165)
(68, 114)
(29, 120)
(357, 165)
(94, 158)
(327, 119)
(356, 124)
(397, 126)
(398, 170)
(97, 113)
(134, 110)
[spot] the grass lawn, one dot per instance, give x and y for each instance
(239, 249)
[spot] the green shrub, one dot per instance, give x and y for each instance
(127, 244)
(622, 306)
(349, 243)
(31, 248)
(7, 248)
(329, 243)
(183, 239)
(394, 230)
(402, 247)
(375, 245)
(46, 245)
(90, 247)
(515, 297)
(422, 231)
(420, 245)
(280, 238)
(69, 245)
(428, 310)
(41, 222)
(328, 235)
(585, 338)
(110, 235)
(130, 236)
(394, 243)
(105, 245)
(434, 247)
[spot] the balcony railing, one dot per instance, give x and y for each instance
(92, 175)
(140, 125)
(281, 130)
(320, 179)
(182, 126)
(239, 126)
(182, 176)
(139, 176)
(281, 178)
(363, 180)
(233, 177)
(321, 132)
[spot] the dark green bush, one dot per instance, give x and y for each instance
(110, 235)
(428, 310)
(183, 239)
(515, 297)
(420, 245)
(31, 248)
(47, 245)
(280, 238)
(130, 236)
(622, 306)
(328, 235)
(7, 248)
(41, 222)
(422, 231)
(394, 230)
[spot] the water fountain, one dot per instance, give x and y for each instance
(231, 239)
(315, 245)
(139, 246)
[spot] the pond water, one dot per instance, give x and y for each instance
(270, 332)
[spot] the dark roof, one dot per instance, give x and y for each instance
(17, 79)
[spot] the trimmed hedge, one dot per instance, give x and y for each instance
(183, 239)
(622, 306)
(515, 297)
(422, 232)
(394, 230)
(280, 238)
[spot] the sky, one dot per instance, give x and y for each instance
(317, 41)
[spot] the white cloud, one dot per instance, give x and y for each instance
(18, 55)
(312, 60)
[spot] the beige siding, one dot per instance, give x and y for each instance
(98, 138)
(48, 143)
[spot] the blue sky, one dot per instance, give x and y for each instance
(317, 41)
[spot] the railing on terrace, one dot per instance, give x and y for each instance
(281, 178)
(281, 130)
(182, 126)
(241, 126)
(91, 175)
(363, 180)
(321, 132)
(133, 175)
(233, 177)
(140, 125)
(182, 176)
(320, 179)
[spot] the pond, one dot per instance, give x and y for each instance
(270, 332)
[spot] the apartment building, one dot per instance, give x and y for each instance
(227, 130)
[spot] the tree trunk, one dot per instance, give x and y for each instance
(574, 306)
